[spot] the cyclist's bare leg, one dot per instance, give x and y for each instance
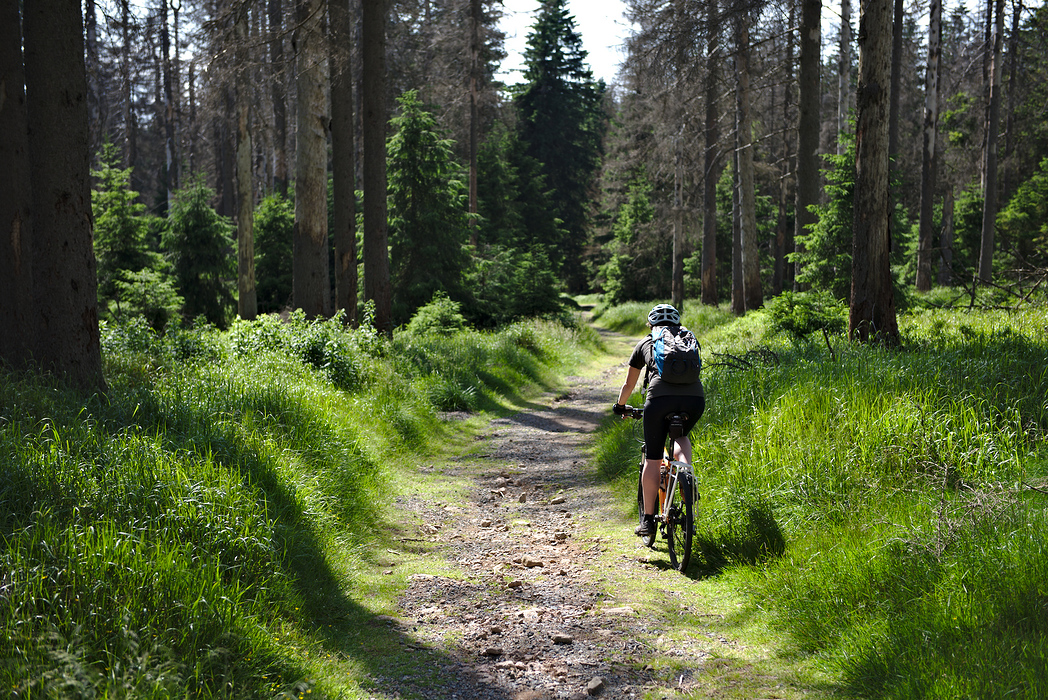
(649, 481)
(682, 449)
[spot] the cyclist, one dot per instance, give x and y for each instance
(660, 400)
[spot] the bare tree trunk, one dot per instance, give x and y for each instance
(711, 161)
(872, 312)
(844, 75)
(311, 284)
(247, 297)
(191, 84)
(277, 73)
(343, 160)
(225, 159)
(738, 294)
(474, 117)
(808, 122)
(930, 157)
(1009, 119)
(376, 233)
(94, 92)
(751, 269)
(130, 140)
(946, 242)
(16, 196)
(782, 234)
(677, 273)
(64, 322)
(170, 156)
(993, 119)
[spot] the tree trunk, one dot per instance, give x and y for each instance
(844, 75)
(783, 239)
(225, 158)
(474, 116)
(64, 322)
(872, 313)
(130, 140)
(711, 160)
(93, 67)
(277, 78)
(677, 273)
(311, 285)
(993, 119)
(808, 121)
(1009, 118)
(751, 269)
(343, 161)
(247, 296)
(376, 233)
(929, 158)
(738, 294)
(946, 242)
(170, 156)
(15, 196)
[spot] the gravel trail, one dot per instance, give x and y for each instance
(530, 619)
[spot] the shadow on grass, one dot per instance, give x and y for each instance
(752, 538)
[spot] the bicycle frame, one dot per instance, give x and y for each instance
(669, 486)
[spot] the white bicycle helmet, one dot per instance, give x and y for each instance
(664, 315)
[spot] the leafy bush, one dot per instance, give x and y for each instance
(441, 315)
(800, 314)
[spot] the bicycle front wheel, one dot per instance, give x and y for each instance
(680, 523)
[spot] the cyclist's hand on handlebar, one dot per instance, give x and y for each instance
(619, 409)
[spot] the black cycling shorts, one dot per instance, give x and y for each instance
(656, 429)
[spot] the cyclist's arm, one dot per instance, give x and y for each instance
(627, 386)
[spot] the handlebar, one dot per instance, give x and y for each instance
(632, 412)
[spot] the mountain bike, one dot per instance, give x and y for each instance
(678, 492)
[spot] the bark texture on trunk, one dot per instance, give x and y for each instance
(311, 284)
(710, 171)
(64, 321)
(343, 161)
(15, 196)
(808, 120)
(993, 120)
(247, 295)
(376, 233)
(751, 270)
(872, 311)
(929, 155)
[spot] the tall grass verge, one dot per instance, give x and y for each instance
(183, 535)
(886, 509)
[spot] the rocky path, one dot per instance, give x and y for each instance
(530, 618)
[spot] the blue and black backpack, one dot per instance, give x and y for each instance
(676, 353)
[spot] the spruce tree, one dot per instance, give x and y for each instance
(562, 123)
(428, 224)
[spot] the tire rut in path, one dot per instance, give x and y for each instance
(529, 620)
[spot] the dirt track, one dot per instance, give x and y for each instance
(532, 618)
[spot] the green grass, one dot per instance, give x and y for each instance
(876, 504)
(197, 531)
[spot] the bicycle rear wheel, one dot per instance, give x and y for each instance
(680, 524)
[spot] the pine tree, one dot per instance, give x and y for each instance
(562, 123)
(428, 225)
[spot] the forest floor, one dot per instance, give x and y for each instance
(544, 592)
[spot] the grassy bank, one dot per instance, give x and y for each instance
(196, 532)
(884, 509)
